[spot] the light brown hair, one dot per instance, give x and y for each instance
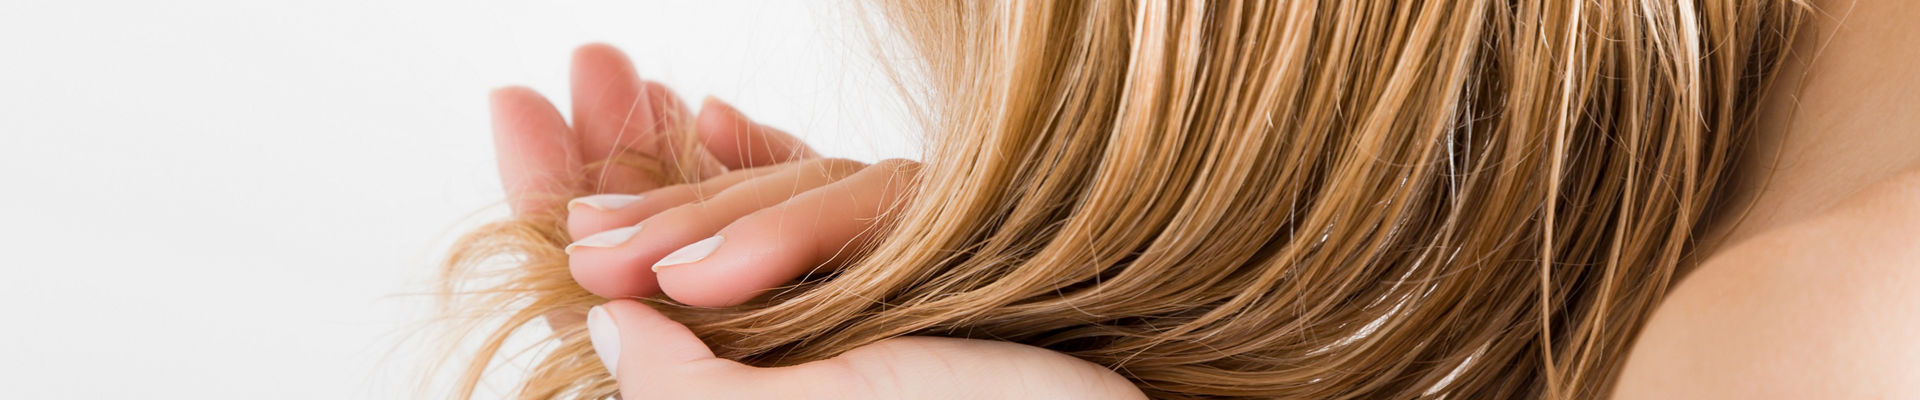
(1297, 199)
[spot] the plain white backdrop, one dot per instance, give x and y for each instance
(236, 199)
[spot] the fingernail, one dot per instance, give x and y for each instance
(605, 337)
(605, 201)
(610, 238)
(692, 253)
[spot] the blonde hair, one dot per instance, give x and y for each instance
(1301, 199)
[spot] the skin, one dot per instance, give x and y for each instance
(782, 211)
(1827, 308)
(1809, 287)
(543, 161)
(1804, 285)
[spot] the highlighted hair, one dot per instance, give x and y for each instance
(1261, 199)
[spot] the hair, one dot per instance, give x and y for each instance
(1257, 199)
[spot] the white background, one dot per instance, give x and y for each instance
(241, 199)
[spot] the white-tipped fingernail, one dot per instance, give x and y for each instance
(610, 238)
(605, 337)
(605, 201)
(692, 253)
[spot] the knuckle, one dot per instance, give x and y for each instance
(781, 226)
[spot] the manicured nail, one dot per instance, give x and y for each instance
(692, 253)
(610, 238)
(605, 201)
(605, 337)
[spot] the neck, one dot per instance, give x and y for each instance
(1844, 115)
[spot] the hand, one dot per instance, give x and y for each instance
(653, 357)
(722, 241)
(543, 162)
(757, 229)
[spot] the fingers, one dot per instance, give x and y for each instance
(610, 115)
(617, 116)
(536, 153)
(616, 263)
(773, 246)
(598, 213)
(679, 150)
(738, 142)
(654, 357)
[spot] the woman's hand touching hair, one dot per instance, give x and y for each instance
(722, 241)
(544, 162)
(762, 210)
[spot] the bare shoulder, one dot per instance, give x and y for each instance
(1828, 308)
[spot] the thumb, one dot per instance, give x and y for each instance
(652, 356)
